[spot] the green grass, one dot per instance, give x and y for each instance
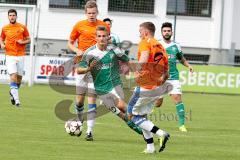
(33, 132)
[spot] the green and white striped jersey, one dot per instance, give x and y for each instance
(115, 39)
(174, 53)
(106, 73)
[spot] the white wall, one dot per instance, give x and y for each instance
(191, 31)
(236, 24)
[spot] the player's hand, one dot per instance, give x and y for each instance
(77, 59)
(92, 64)
(20, 41)
(190, 68)
(3, 46)
(79, 52)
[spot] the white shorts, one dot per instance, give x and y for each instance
(176, 87)
(84, 84)
(142, 100)
(110, 98)
(15, 64)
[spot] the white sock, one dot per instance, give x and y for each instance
(91, 120)
(148, 135)
(150, 147)
(14, 92)
(147, 125)
(160, 133)
(90, 125)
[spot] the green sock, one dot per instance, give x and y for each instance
(180, 113)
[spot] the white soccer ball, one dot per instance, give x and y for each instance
(74, 128)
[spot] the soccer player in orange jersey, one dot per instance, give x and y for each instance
(84, 32)
(151, 74)
(14, 37)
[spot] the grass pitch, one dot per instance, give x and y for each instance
(34, 132)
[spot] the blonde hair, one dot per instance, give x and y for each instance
(91, 4)
(149, 26)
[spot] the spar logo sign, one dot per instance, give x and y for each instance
(54, 68)
(215, 79)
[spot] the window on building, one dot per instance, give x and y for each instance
(19, 1)
(133, 6)
(71, 4)
(199, 8)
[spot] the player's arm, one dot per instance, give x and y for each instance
(72, 47)
(83, 69)
(186, 64)
(24, 41)
(121, 54)
(182, 60)
(2, 38)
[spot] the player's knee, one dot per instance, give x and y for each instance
(138, 119)
(122, 106)
(158, 102)
(177, 99)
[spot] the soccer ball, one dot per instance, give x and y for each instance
(74, 128)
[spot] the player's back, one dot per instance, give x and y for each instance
(156, 65)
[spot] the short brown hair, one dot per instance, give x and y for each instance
(12, 11)
(149, 26)
(91, 4)
(101, 28)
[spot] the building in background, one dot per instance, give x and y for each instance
(206, 29)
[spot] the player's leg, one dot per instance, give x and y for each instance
(147, 125)
(175, 94)
(20, 70)
(11, 63)
(148, 137)
(80, 96)
(180, 111)
(14, 95)
(114, 101)
(143, 106)
(79, 106)
(158, 102)
(92, 107)
(19, 81)
(91, 115)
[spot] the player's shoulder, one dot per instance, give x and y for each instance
(20, 24)
(100, 22)
(176, 44)
(90, 50)
(80, 23)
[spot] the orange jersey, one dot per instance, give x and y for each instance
(157, 63)
(85, 33)
(10, 34)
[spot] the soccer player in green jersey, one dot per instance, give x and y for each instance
(115, 40)
(174, 54)
(102, 61)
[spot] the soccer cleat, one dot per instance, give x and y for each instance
(182, 128)
(11, 98)
(89, 137)
(163, 140)
(134, 127)
(145, 151)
